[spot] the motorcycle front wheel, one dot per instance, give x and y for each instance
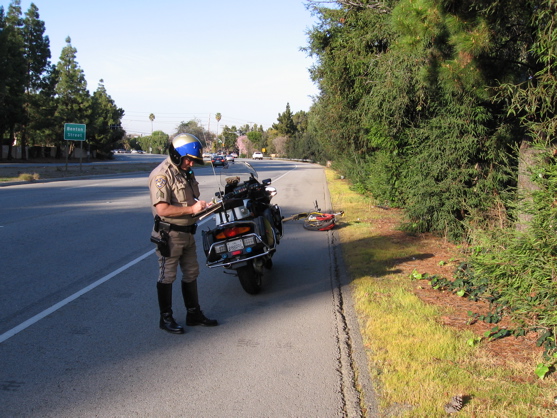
(250, 279)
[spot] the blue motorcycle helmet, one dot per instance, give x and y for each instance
(185, 145)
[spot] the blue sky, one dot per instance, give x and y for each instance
(188, 59)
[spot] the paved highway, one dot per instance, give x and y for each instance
(79, 332)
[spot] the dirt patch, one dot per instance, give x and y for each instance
(443, 258)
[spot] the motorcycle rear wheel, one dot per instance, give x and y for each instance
(250, 279)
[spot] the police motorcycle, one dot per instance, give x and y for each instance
(247, 226)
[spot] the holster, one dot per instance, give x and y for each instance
(162, 242)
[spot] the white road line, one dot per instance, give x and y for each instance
(279, 177)
(62, 303)
(54, 308)
(69, 299)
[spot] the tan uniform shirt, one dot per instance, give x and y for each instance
(170, 185)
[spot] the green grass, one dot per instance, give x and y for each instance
(417, 363)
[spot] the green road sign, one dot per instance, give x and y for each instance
(74, 132)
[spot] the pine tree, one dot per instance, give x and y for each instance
(14, 73)
(37, 59)
(285, 125)
(72, 96)
(42, 120)
(105, 129)
(4, 75)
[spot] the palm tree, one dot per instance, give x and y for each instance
(218, 117)
(151, 118)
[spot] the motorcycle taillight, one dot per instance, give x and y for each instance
(232, 232)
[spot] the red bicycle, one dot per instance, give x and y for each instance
(316, 220)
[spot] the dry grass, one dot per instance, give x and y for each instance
(28, 177)
(418, 361)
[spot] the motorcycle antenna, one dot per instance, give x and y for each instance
(216, 179)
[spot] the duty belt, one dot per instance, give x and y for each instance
(167, 226)
(183, 228)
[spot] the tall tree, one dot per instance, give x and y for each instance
(348, 44)
(218, 117)
(285, 125)
(42, 120)
(105, 128)
(13, 83)
(464, 132)
(407, 103)
(533, 99)
(73, 99)
(37, 59)
(159, 142)
(194, 127)
(152, 119)
(229, 138)
(4, 77)
(256, 139)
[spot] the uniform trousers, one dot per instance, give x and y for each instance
(183, 253)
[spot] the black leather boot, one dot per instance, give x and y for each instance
(189, 293)
(167, 322)
(195, 317)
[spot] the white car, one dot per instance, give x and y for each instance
(257, 155)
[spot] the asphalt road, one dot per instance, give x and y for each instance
(79, 332)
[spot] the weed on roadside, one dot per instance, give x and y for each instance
(28, 177)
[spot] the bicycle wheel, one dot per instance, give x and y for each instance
(317, 221)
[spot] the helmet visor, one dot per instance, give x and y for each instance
(195, 159)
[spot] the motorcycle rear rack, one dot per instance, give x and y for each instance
(229, 264)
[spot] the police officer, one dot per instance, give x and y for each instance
(174, 197)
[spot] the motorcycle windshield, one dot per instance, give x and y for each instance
(236, 174)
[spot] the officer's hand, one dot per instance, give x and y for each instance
(199, 206)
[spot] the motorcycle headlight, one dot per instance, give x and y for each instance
(271, 190)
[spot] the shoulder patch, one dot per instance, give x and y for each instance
(160, 181)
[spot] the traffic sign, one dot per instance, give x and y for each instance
(74, 131)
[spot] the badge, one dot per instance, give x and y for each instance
(160, 182)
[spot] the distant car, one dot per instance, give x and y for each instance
(207, 156)
(218, 160)
(229, 157)
(257, 155)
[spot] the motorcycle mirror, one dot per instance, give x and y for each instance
(266, 182)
